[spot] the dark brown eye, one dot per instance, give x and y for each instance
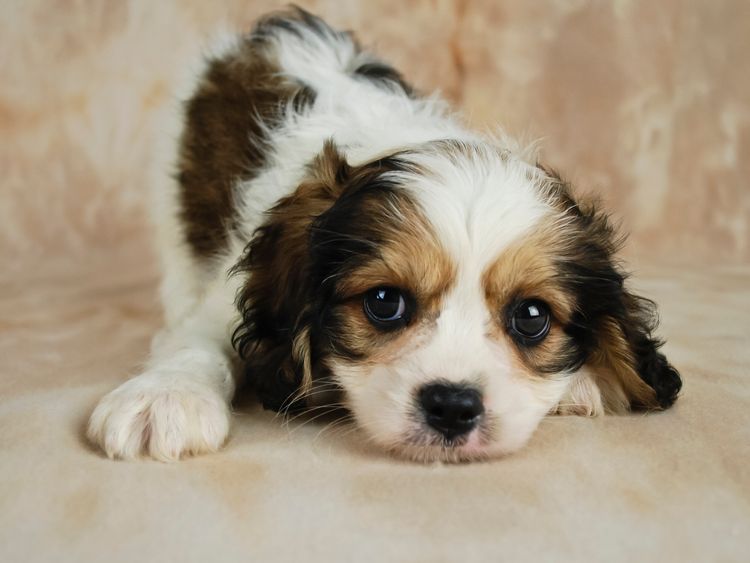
(385, 305)
(530, 320)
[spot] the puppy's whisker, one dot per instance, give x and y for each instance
(306, 413)
(334, 426)
(320, 388)
(330, 408)
(309, 421)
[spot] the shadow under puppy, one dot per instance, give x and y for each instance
(330, 229)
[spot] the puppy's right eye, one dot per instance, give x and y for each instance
(385, 306)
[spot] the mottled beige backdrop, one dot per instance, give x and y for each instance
(644, 102)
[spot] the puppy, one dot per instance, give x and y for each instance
(329, 229)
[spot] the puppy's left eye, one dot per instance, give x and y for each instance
(385, 305)
(530, 320)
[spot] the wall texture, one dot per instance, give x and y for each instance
(647, 103)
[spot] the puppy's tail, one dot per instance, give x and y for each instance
(323, 59)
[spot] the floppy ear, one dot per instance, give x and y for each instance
(615, 325)
(274, 335)
(631, 371)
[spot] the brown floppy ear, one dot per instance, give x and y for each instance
(631, 372)
(274, 335)
(613, 327)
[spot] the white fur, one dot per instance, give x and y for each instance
(477, 201)
(478, 205)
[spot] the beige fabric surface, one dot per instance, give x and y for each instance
(673, 486)
(645, 102)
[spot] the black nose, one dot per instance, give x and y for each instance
(451, 409)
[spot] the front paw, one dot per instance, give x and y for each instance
(160, 416)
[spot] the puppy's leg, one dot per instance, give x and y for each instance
(180, 404)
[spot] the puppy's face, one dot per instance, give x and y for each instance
(455, 294)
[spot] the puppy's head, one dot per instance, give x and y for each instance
(453, 293)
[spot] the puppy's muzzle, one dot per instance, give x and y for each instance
(451, 409)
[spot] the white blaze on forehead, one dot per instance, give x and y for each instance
(477, 202)
(478, 205)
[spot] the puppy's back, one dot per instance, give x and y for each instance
(246, 91)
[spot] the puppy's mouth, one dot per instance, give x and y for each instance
(425, 444)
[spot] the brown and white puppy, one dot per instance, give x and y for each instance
(330, 229)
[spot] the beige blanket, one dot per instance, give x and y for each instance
(646, 102)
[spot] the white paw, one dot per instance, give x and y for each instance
(162, 416)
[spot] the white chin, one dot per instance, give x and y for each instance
(471, 449)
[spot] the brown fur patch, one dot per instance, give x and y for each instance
(410, 256)
(614, 363)
(411, 259)
(527, 271)
(223, 142)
